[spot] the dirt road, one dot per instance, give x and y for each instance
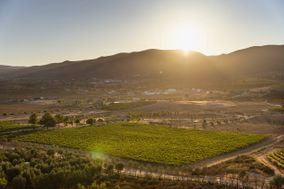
(261, 148)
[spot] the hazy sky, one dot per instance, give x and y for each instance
(34, 32)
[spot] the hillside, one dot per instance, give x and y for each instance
(8, 69)
(253, 60)
(161, 64)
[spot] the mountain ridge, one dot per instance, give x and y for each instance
(155, 63)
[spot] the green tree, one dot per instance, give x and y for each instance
(3, 183)
(12, 171)
(77, 121)
(109, 169)
(47, 120)
(59, 118)
(33, 119)
(94, 185)
(119, 167)
(18, 182)
(90, 121)
(66, 120)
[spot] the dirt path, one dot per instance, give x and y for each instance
(250, 150)
(222, 180)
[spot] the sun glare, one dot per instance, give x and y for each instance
(185, 37)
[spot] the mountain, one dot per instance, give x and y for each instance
(155, 64)
(145, 64)
(8, 69)
(253, 60)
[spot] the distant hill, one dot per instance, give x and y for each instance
(253, 60)
(8, 69)
(162, 64)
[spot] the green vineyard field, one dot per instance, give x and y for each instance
(150, 143)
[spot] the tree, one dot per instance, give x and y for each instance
(109, 169)
(47, 120)
(94, 185)
(277, 182)
(3, 183)
(59, 118)
(13, 171)
(100, 120)
(90, 121)
(18, 182)
(119, 167)
(65, 120)
(77, 121)
(33, 119)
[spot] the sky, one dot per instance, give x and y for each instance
(36, 32)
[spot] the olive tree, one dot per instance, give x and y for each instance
(48, 120)
(33, 119)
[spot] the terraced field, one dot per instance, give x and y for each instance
(151, 143)
(277, 158)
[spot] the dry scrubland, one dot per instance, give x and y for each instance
(151, 143)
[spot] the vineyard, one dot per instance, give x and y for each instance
(277, 158)
(150, 143)
(5, 126)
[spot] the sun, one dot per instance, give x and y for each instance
(184, 40)
(185, 37)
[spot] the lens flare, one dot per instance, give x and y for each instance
(98, 155)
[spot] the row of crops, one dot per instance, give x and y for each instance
(277, 158)
(7, 126)
(150, 143)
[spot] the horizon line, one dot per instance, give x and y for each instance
(142, 50)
